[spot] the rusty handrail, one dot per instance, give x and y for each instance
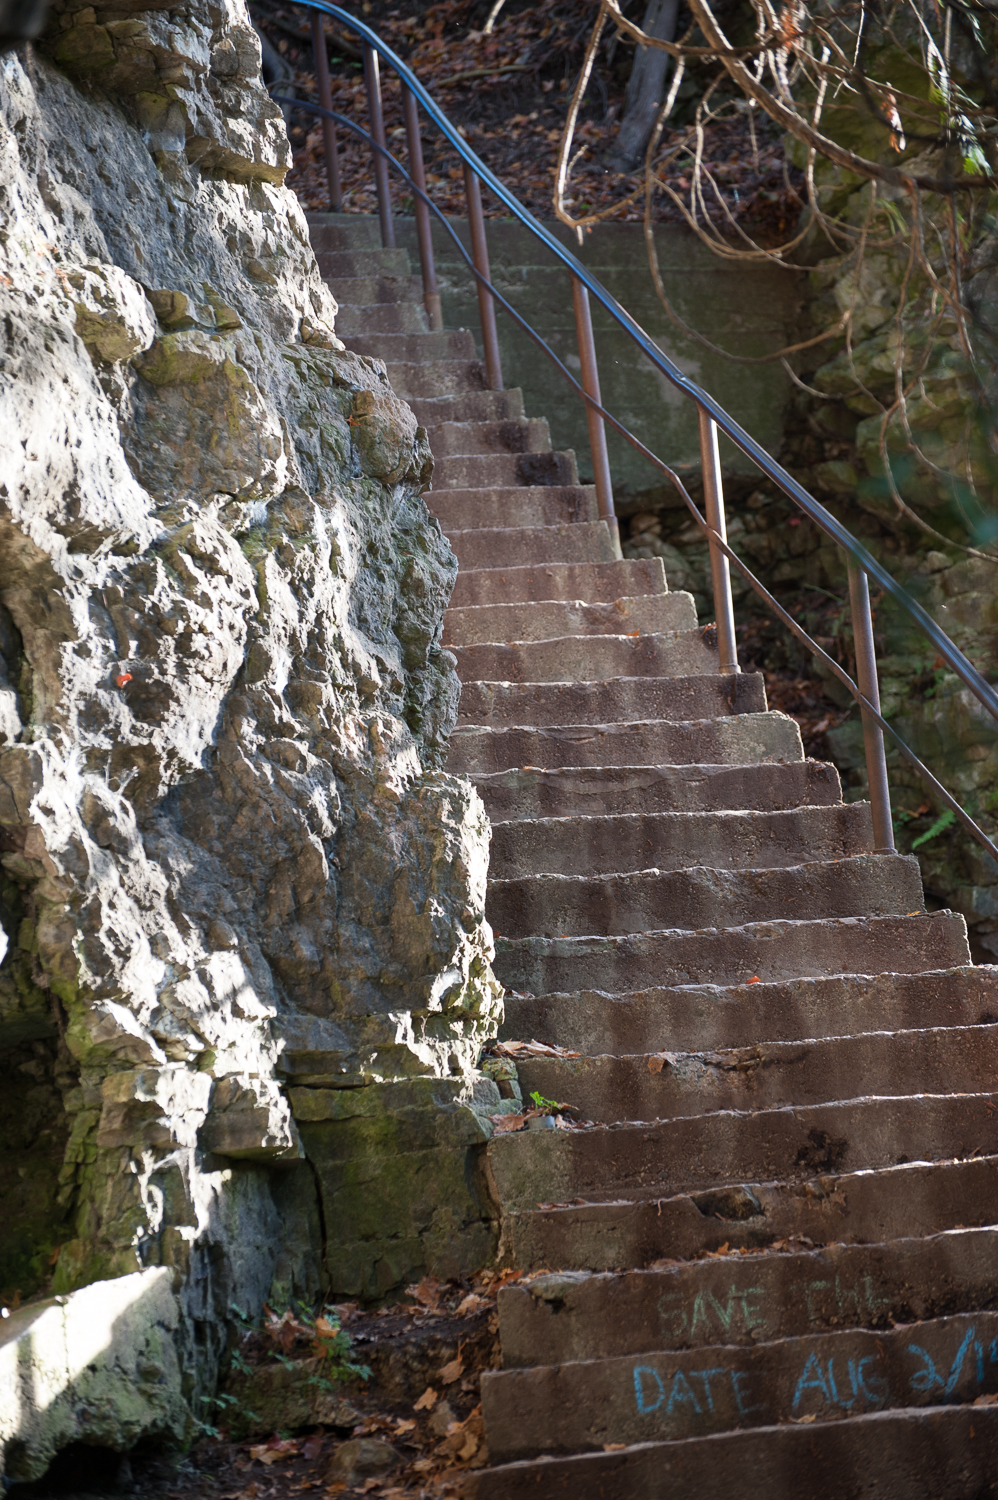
(950, 653)
(867, 694)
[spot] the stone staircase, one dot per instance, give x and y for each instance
(769, 1267)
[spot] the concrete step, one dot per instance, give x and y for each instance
(572, 905)
(935, 1453)
(650, 614)
(834, 1209)
(469, 406)
(411, 379)
(414, 348)
(572, 704)
(926, 1061)
(472, 471)
(595, 583)
(340, 265)
(526, 793)
(365, 291)
(791, 1143)
(330, 231)
(380, 317)
(584, 542)
(744, 1299)
(700, 1016)
(775, 950)
(521, 505)
(737, 740)
(576, 658)
(522, 435)
(717, 841)
(586, 1405)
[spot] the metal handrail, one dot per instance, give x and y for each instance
(711, 417)
(950, 653)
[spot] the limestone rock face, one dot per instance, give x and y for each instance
(226, 840)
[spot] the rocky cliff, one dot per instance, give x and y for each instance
(230, 857)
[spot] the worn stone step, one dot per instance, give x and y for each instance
(380, 317)
(836, 1208)
(650, 614)
(719, 841)
(332, 231)
(366, 290)
(743, 1299)
(414, 348)
(511, 546)
(520, 505)
(735, 740)
(469, 471)
(691, 1017)
(935, 1453)
(786, 1143)
(336, 266)
(934, 1060)
(716, 840)
(522, 435)
(469, 406)
(411, 379)
(593, 582)
(775, 950)
(571, 791)
(604, 703)
(565, 905)
(585, 1405)
(575, 658)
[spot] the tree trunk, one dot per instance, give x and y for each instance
(644, 91)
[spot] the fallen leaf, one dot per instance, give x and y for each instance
(452, 1371)
(613, 1447)
(405, 1424)
(532, 1049)
(506, 1124)
(659, 1060)
(427, 1293)
(427, 1400)
(987, 1400)
(471, 1304)
(755, 980)
(312, 1446)
(122, 678)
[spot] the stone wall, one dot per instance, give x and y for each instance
(230, 859)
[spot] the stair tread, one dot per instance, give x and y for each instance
(929, 1453)
(584, 1404)
(903, 1201)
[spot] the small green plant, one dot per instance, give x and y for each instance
(945, 820)
(549, 1106)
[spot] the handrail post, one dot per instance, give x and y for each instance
(594, 422)
(720, 573)
(480, 257)
(325, 89)
(873, 735)
(372, 78)
(424, 229)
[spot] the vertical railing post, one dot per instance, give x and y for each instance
(480, 256)
(424, 228)
(597, 428)
(325, 90)
(720, 573)
(372, 78)
(873, 735)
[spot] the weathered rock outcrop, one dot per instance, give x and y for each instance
(229, 853)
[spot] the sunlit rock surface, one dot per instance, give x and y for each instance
(227, 842)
